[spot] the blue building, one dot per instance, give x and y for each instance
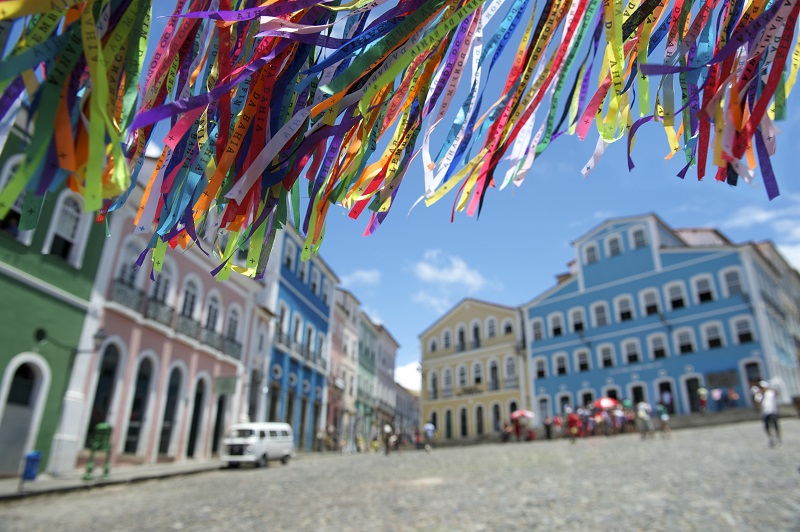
(300, 293)
(650, 312)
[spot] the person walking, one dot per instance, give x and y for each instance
(767, 399)
(429, 429)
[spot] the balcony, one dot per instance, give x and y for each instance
(475, 344)
(447, 393)
(232, 348)
(493, 386)
(432, 394)
(159, 311)
(471, 390)
(188, 326)
(127, 295)
(511, 383)
(211, 338)
(283, 339)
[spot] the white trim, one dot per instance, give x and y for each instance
(593, 313)
(573, 310)
(47, 288)
(552, 318)
(40, 392)
(704, 334)
(197, 308)
(75, 258)
(146, 426)
(734, 331)
(637, 344)
(676, 333)
(643, 302)
(585, 253)
(200, 445)
(618, 311)
(668, 299)
(543, 334)
(651, 350)
(172, 447)
(724, 288)
(582, 391)
(632, 236)
(686, 402)
(600, 348)
(607, 245)
(534, 364)
(561, 355)
(491, 320)
(119, 380)
(605, 389)
(693, 280)
(576, 359)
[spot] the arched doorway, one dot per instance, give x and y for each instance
(194, 429)
(497, 418)
(17, 421)
(219, 425)
(448, 424)
(139, 408)
(463, 422)
(479, 420)
(170, 410)
(104, 391)
(494, 378)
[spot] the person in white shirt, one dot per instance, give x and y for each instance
(767, 400)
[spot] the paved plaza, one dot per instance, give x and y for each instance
(716, 478)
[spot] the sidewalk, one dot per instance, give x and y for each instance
(73, 481)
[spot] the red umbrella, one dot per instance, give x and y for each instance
(521, 414)
(606, 402)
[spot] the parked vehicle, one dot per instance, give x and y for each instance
(257, 443)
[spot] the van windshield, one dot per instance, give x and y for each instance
(240, 433)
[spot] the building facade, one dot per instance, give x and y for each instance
(342, 381)
(385, 387)
(472, 370)
(406, 419)
(300, 293)
(49, 255)
(651, 313)
(366, 399)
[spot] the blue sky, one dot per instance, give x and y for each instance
(419, 264)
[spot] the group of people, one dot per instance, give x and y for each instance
(621, 418)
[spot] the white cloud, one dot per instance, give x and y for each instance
(792, 254)
(408, 376)
(438, 303)
(361, 278)
(439, 268)
(373, 314)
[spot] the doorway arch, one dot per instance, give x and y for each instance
(174, 386)
(138, 412)
(104, 391)
(23, 394)
(197, 417)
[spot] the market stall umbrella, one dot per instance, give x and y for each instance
(605, 402)
(521, 414)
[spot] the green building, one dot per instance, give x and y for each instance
(47, 270)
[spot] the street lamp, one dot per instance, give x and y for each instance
(40, 336)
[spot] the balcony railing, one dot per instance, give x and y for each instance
(160, 312)
(211, 338)
(460, 348)
(232, 348)
(475, 344)
(127, 295)
(447, 393)
(471, 389)
(283, 339)
(511, 382)
(493, 386)
(432, 394)
(188, 326)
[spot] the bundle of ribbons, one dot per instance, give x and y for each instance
(275, 110)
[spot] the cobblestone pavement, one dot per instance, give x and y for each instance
(720, 478)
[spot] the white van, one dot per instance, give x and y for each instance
(256, 443)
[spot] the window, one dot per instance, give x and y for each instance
(462, 339)
(591, 254)
(676, 300)
(600, 314)
(432, 347)
(639, 240)
(447, 379)
(733, 283)
(477, 373)
(583, 361)
(491, 328)
(541, 371)
(650, 303)
(703, 288)
(302, 272)
(744, 334)
(189, 299)
(314, 281)
(625, 309)
(324, 291)
(160, 289)
(462, 376)
(538, 333)
(561, 365)
(213, 314)
(127, 266)
(556, 326)
(66, 231)
(685, 343)
(658, 347)
(607, 357)
(288, 259)
(614, 246)
(511, 367)
(233, 324)
(713, 336)
(631, 352)
(577, 320)
(10, 223)
(446, 340)
(508, 328)
(476, 336)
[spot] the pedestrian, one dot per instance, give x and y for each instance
(643, 419)
(666, 400)
(733, 397)
(429, 429)
(548, 428)
(702, 398)
(767, 399)
(663, 419)
(387, 438)
(574, 425)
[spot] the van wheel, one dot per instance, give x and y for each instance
(261, 462)
(233, 465)
(285, 459)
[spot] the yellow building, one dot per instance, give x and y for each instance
(473, 371)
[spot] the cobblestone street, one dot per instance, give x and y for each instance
(720, 478)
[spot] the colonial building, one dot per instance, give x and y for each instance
(366, 399)
(49, 254)
(342, 381)
(472, 370)
(406, 418)
(300, 293)
(385, 387)
(650, 312)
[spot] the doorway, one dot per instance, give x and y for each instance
(197, 416)
(303, 408)
(666, 395)
(497, 419)
(104, 391)
(448, 424)
(136, 419)
(219, 424)
(692, 385)
(637, 394)
(479, 420)
(274, 401)
(17, 421)
(463, 422)
(170, 411)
